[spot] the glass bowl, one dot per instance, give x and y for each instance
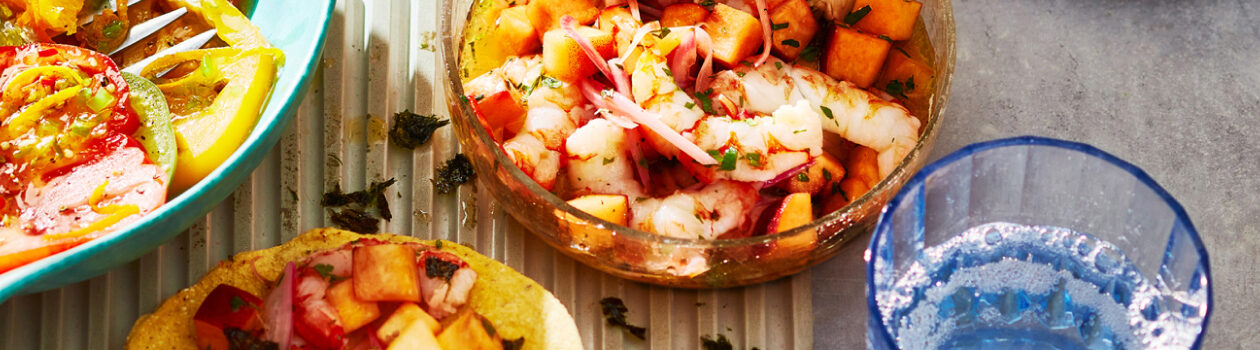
(295, 26)
(643, 256)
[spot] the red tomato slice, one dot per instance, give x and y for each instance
(99, 177)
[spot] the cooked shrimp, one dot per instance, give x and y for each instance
(315, 319)
(599, 161)
(553, 110)
(444, 296)
(855, 114)
(704, 213)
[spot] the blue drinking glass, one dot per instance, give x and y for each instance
(1034, 243)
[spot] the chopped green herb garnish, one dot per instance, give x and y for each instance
(550, 82)
(608, 160)
(826, 175)
(903, 51)
(895, 88)
(827, 112)
(802, 176)
(778, 26)
(797, 131)
(740, 74)
(885, 37)
(606, 93)
(853, 18)
(810, 54)
(661, 33)
(909, 84)
(708, 3)
(689, 105)
(236, 303)
(714, 153)
(754, 159)
(324, 270)
(728, 160)
(791, 42)
(668, 72)
(778, 65)
(706, 103)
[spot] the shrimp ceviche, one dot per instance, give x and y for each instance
(707, 120)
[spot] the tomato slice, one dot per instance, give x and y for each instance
(70, 168)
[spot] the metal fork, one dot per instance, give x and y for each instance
(143, 30)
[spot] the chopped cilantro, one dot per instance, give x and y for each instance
(802, 176)
(236, 303)
(668, 72)
(550, 82)
(708, 3)
(853, 18)
(608, 160)
(909, 84)
(412, 130)
(661, 33)
(778, 26)
(754, 159)
(791, 42)
(895, 88)
(903, 51)
(885, 37)
(778, 65)
(728, 160)
(797, 131)
(826, 175)
(827, 112)
(456, 171)
(706, 103)
(741, 74)
(810, 54)
(689, 105)
(324, 271)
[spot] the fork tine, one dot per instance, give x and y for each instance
(190, 44)
(143, 30)
(110, 5)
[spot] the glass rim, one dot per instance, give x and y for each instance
(883, 226)
(450, 53)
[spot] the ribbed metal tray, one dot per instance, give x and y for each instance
(379, 59)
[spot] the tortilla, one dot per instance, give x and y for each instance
(516, 305)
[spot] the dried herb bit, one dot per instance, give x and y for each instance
(245, 340)
(615, 312)
(791, 42)
(355, 220)
(455, 172)
(810, 54)
(435, 267)
(236, 303)
(373, 196)
(778, 26)
(412, 130)
(855, 16)
(721, 343)
(897, 89)
(325, 271)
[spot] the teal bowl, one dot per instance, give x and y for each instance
(295, 26)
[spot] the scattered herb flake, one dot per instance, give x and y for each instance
(903, 51)
(412, 130)
(689, 105)
(778, 65)
(324, 271)
(885, 37)
(435, 267)
(910, 84)
(355, 220)
(242, 339)
(810, 54)
(895, 88)
(826, 175)
(706, 103)
(827, 112)
(708, 3)
(550, 82)
(721, 343)
(514, 344)
(754, 159)
(778, 26)
(609, 160)
(661, 33)
(728, 160)
(668, 72)
(853, 18)
(236, 303)
(797, 131)
(791, 42)
(615, 312)
(455, 172)
(802, 176)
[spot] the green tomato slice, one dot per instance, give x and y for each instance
(156, 132)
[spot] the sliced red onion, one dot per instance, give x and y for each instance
(764, 16)
(619, 77)
(253, 266)
(278, 309)
(684, 58)
(595, 97)
(638, 36)
(634, 10)
(788, 174)
(624, 106)
(636, 154)
(570, 27)
(704, 42)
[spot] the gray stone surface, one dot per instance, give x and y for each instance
(1171, 86)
